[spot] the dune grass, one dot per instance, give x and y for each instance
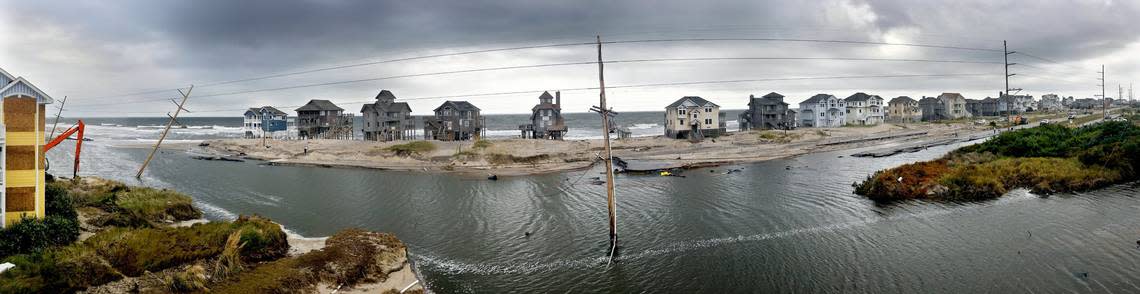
(1045, 159)
(411, 148)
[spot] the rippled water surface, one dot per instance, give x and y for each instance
(789, 225)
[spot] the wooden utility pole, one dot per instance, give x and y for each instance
(165, 131)
(57, 114)
(1006, 96)
(609, 159)
(1103, 99)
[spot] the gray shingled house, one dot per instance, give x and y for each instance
(321, 119)
(546, 120)
(386, 119)
(454, 121)
(767, 112)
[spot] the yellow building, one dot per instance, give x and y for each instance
(22, 146)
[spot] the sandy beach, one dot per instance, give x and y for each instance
(509, 157)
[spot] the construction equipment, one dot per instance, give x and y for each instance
(77, 129)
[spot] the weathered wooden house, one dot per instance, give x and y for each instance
(321, 119)
(823, 111)
(546, 120)
(767, 112)
(904, 109)
(933, 109)
(22, 144)
(864, 109)
(387, 120)
(454, 121)
(955, 107)
(694, 118)
(267, 120)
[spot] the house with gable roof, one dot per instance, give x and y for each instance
(693, 118)
(23, 121)
(386, 119)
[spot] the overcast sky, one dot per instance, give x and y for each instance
(94, 51)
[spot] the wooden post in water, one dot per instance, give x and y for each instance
(605, 111)
(165, 131)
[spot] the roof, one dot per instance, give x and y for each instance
(773, 95)
(545, 95)
(951, 96)
(902, 99)
(458, 105)
(694, 99)
(858, 97)
(6, 78)
(818, 97)
(319, 104)
(273, 110)
(386, 95)
(930, 100)
(20, 86)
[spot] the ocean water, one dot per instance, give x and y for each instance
(580, 126)
(787, 225)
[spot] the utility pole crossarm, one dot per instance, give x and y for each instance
(165, 131)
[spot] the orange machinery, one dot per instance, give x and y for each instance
(76, 129)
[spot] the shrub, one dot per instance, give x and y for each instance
(415, 147)
(32, 235)
(134, 251)
(499, 159)
(482, 144)
(59, 270)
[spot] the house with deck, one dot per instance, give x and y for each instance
(955, 105)
(454, 121)
(904, 109)
(933, 109)
(864, 109)
(546, 120)
(823, 111)
(23, 120)
(321, 119)
(767, 112)
(694, 118)
(268, 120)
(386, 119)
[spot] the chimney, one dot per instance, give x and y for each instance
(558, 99)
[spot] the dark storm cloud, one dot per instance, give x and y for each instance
(146, 44)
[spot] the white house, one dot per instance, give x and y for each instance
(864, 110)
(693, 118)
(281, 125)
(823, 111)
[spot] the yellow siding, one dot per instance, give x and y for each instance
(40, 196)
(21, 178)
(12, 217)
(21, 138)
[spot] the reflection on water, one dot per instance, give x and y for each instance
(788, 225)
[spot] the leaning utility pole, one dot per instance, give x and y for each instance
(1006, 96)
(165, 131)
(57, 114)
(1103, 99)
(609, 159)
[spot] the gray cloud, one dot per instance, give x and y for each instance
(94, 48)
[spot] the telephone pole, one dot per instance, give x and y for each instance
(57, 114)
(609, 159)
(1103, 99)
(1005, 95)
(165, 131)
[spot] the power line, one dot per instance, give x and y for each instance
(270, 76)
(549, 65)
(478, 95)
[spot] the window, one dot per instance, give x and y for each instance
(681, 121)
(680, 111)
(709, 110)
(708, 121)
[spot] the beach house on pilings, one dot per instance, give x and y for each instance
(22, 145)
(768, 112)
(823, 111)
(693, 118)
(546, 120)
(321, 119)
(864, 109)
(386, 119)
(454, 121)
(267, 120)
